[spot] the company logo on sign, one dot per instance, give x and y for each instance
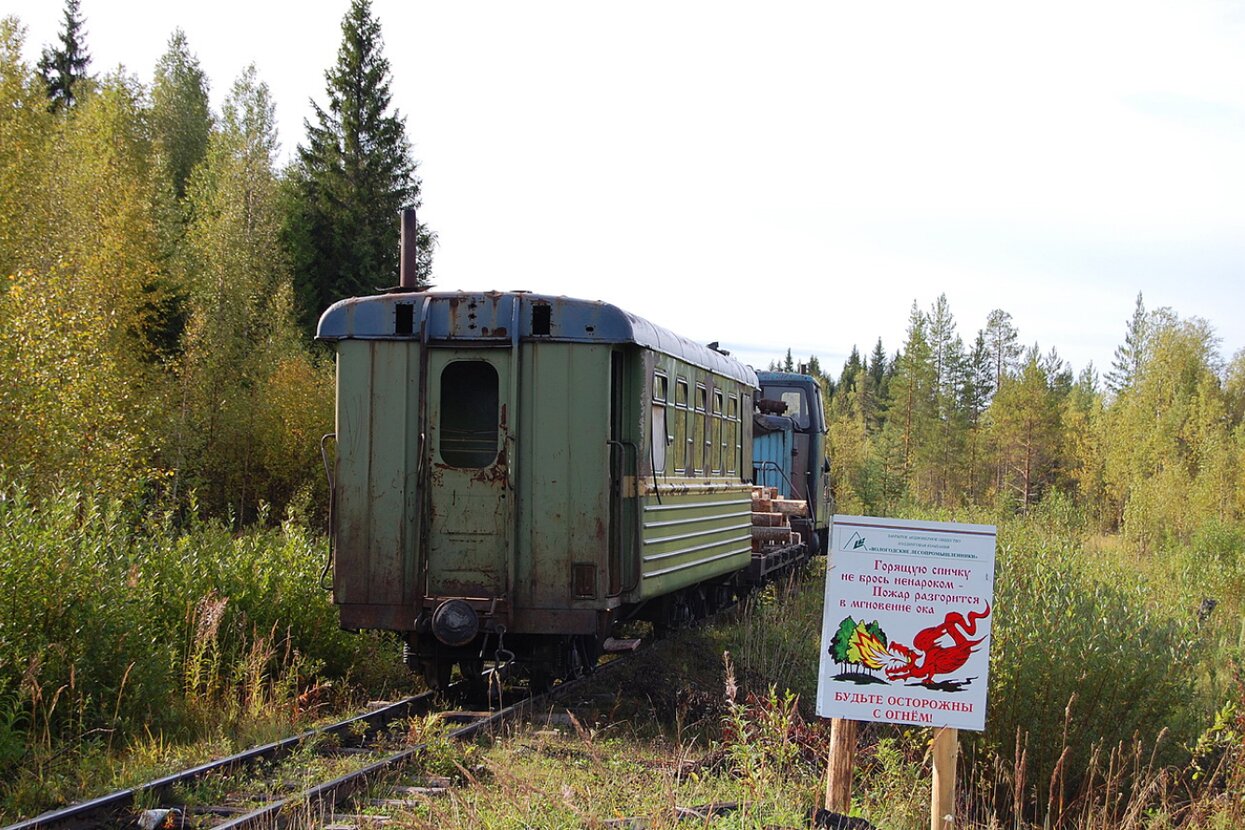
(856, 542)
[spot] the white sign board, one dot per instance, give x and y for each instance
(906, 633)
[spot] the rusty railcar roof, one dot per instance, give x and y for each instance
(493, 315)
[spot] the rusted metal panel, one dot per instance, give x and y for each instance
(383, 617)
(489, 316)
(375, 481)
(387, 473)
(564, 473)
(353, 512)
(554, 620)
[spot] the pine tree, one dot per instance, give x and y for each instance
(64, 67)
(975, 388)
(1005, 347)
(352, 178)
(912, 397)
(879, 373)
(1025, 421)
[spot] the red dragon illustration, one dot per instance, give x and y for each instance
(939, 659)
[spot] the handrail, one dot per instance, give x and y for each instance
(332, 517)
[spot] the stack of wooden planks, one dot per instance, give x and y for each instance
(771, 519)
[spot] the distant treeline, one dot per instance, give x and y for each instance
(1155, 448)
(160, 277)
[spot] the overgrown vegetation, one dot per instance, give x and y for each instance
(160, 275)
(1112, 706)
(163, 409)
(117, 626)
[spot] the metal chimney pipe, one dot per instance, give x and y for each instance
(408, 279)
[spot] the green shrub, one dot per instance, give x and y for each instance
(1080, 660)
(102, 623)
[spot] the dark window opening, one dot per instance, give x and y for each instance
(404, 318)
(469, 400)
(542, 319)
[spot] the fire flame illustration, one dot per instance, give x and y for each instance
(872, 652)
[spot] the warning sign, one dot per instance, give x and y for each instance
(908, 615)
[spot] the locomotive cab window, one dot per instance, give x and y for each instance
(469, 405)
(797, 406)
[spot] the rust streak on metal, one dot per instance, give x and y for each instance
(495, 474)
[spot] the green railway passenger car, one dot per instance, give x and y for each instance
(516, 474)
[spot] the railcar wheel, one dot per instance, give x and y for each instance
(436, 673)
(473, 674)
(582, 656)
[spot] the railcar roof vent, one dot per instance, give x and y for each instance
(542, 319)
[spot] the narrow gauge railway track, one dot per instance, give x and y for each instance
(158, 799)
(111, 809)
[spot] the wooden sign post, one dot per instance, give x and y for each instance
(942, 794)
(840, 764)
(905, 639)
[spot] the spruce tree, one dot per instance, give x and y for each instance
(352, 178)
(1128, 356)
(64, 67)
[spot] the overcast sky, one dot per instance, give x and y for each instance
(790, 174)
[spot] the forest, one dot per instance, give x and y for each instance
(162, 275)
(162, 495)
(1151, 451)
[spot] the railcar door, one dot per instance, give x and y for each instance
(469, 494)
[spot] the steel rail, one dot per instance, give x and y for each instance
(322, 797)
(77, 814)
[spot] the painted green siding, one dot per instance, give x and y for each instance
(563, 471)
(701, 533)
(375, 488)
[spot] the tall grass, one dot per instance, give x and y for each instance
(115, 624)
(1115, 696)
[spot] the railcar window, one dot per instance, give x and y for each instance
(658, 439)
(717, 432)
(717, 443)
(660, 386)
(700, 441)
(659, 436)
(680, 425)
(745, 433)
(468, 428)
(732, 434)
